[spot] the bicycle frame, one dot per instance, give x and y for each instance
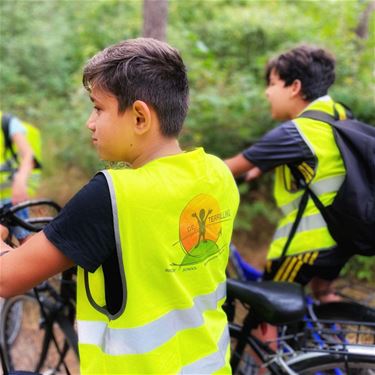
(315, 329)
(50, 310)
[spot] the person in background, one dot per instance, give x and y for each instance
(301, 151)
(14, 172)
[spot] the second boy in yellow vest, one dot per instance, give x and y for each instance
(151, 241)
(19, 168)
(302, 151)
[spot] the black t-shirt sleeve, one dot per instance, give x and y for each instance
(83, 230)
(282, 145)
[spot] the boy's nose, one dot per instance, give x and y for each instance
(90, 124)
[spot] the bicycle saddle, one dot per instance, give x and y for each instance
(271, 301)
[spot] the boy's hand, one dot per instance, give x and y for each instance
(252, 174)
(4, 233)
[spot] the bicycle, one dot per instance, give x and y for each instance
(307, 341)
(313, 349)
(37, 328)
(347, 309)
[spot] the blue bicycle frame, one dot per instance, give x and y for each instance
(246, 272)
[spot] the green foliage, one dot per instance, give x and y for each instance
(361, 267)
(225, 44)
(257, 211)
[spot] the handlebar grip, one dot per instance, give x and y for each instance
(36, 202)
(15, 220)
(8, 214)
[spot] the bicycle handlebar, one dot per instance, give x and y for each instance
(8, 215)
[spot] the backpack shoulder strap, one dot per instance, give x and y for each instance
(319, 116)
(348, 112)
(5, 121)
(301, 210)
(8, 145)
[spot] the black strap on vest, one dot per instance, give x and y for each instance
(5, 122)
(319, 116)
(2, 358)
(293, 230)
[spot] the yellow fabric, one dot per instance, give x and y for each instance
(175, 220)
(34, 138)
(319, 137)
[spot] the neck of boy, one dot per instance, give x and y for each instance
(299, 106)
(164, 147)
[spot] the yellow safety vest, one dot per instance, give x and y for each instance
(8, 164)
(173, 221)
(312, 232)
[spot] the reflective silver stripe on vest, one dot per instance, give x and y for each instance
(307, 223)
(212, 362)
(6, 185)
(328, 185)
(117, 341)
(6, 175)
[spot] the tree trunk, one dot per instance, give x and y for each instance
(155, 14)
(362, 27)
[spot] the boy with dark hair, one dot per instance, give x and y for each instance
(149, 289)
(302, 151)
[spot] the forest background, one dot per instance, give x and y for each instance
(225, 45)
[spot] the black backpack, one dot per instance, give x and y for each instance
(351, 216)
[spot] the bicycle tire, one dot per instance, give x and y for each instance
(12, 346)
(33, 348)
(13, 326)
(328, 363)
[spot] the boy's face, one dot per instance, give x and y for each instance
(280, 97)
(112, 132)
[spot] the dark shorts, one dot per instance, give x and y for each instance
(302, 268)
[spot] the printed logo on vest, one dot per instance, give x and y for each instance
(200, 229)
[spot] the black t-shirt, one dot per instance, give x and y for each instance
(84, 232)
(283, 145)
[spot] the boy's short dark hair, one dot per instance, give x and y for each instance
(313, 66)
(143, 69)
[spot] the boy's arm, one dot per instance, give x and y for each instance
(240, 165)
(19, 187)
(28, 265)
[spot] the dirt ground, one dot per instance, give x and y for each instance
(27, 345)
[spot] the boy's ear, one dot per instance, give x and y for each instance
(296, 87)
(142, 117)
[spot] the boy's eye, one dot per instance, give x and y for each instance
(97, 109)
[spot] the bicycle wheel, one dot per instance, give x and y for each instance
(329, 363)
(23, 348)
(33, 347)
(249, 354)
(14, 323)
